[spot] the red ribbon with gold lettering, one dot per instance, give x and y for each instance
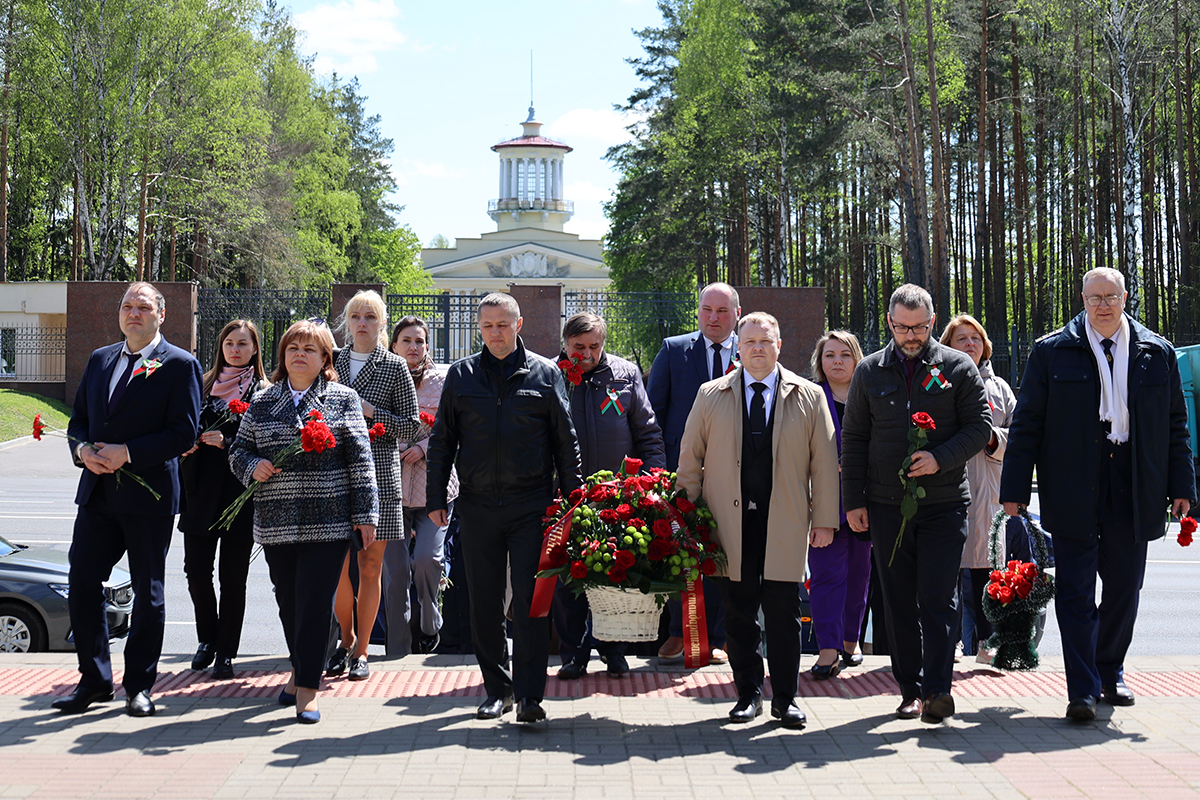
(543, 588)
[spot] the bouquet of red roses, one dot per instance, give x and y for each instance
(1015, 595)
(632, 531)
(314, 437)
(40, 428)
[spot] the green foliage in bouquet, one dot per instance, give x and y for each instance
(632, 531)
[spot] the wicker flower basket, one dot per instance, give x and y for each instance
(619, 615)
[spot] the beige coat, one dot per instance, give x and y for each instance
(805, 486)
(983, 473)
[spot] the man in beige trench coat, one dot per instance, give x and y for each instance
(759, 448)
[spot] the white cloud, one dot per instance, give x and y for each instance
(603, 126)
(347, 35)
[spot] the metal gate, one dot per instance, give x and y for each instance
(453, 333)
(273, 310)
(637, 321)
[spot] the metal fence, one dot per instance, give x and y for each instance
(33, 353)
(453, 333)
(637, 321)
(273, 310)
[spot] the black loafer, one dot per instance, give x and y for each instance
(571, 671)
(429, 644)
(359, 669)
(909, 708)
(493, 707)
(1082, 709)
(789, 715)
(936, 707)
(616, 666)
(747, 709)
(140, 705)
(337, 663)
(222, 668)
(78, 701)
(851, 659)
(530, 710)
(1118, 694)
(204, 656)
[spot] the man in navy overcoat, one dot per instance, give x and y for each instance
(1101, 415)
(137, 408)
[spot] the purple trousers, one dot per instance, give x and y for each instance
(839, 577)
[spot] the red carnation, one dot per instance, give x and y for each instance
(608, 515)
(599, 494)
(552, 511)
(238, 406)
(625, 559)
(684, 505)
(708, 567)
(579, 570)
(576, 496)
(645, 502)
(662, 529)
(316, 437)
(38, 427)
(427, 418)
(1187, 525)
(1184, 539)
(558, 556)
(624, 511)
(637, 522)
(314, 414)
(659, 549)
(376, 430)
(923, 420)
(633, 466)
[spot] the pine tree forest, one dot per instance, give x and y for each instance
(187, 140)
(992, 151)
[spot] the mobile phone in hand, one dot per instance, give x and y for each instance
(356, 540)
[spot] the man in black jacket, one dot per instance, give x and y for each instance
(613, 420)
(1101, 415)
(504, 416)
(919, 576)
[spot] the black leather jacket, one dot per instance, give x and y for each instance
(507, 438)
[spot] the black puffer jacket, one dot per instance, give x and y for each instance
(878, 416)
(506, 438)
(608, 434)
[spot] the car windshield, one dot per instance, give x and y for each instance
(7, 548)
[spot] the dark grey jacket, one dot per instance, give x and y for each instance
(606, 436)
(879, 413)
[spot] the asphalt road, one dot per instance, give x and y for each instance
(37, 490)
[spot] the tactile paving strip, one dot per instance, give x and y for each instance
(716, 684)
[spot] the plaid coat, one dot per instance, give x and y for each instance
(385, 382)
(318, 497)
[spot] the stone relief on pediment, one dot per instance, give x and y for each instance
(528, 264)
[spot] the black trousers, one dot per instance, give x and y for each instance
(920, 591)
(219, 625)
(97, 544)
(780, 604)
(493, 536)
(306, 577)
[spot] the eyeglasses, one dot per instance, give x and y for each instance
(1094, 300)
(920, 330)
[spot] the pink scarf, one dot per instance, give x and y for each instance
(232, 383)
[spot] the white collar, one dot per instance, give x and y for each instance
(748, 380)
(725, 345)
(145, 351)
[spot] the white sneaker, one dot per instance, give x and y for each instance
(958, 653)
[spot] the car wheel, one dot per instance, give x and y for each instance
(21, 629)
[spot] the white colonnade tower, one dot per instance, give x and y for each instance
(531, 181)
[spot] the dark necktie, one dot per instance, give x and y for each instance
(122, 382)
(1107, 344)
(717, 370)
(758, 409)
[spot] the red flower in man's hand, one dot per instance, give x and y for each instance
(38, 427)
(579, 570)
(923, 420)
(1187, 526)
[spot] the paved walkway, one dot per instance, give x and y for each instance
(410, 732)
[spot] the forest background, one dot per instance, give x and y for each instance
(990, 150)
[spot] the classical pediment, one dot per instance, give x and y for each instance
(524, 260)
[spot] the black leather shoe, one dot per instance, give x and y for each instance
(747, 709)
(1082, 709)
(851, 659)
(222, 668)
(140, 705)
(359, 669)
(1118, 694)
(909, 708)
(204, 656)
(789, 715)
(825, 672)
(78, 701)
(936, 707)
(571, 671)
(493, 707)
(616, 666)
(337, 663)
(530, 710)
(429, 644)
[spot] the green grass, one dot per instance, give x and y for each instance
(17, 410)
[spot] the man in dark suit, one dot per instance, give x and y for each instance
(1101, 415)
(137, 408)
(681, 366)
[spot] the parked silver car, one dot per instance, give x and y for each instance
(33, 600)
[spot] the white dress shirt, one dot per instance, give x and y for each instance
(768, 394)
(726, 353)
(122, 361)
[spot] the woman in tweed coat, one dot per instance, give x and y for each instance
(306, 511)
(388, 397)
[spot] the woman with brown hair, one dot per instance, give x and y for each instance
(209, 487)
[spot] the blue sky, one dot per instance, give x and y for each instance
(450, 79)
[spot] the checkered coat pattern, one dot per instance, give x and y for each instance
(318, 497)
